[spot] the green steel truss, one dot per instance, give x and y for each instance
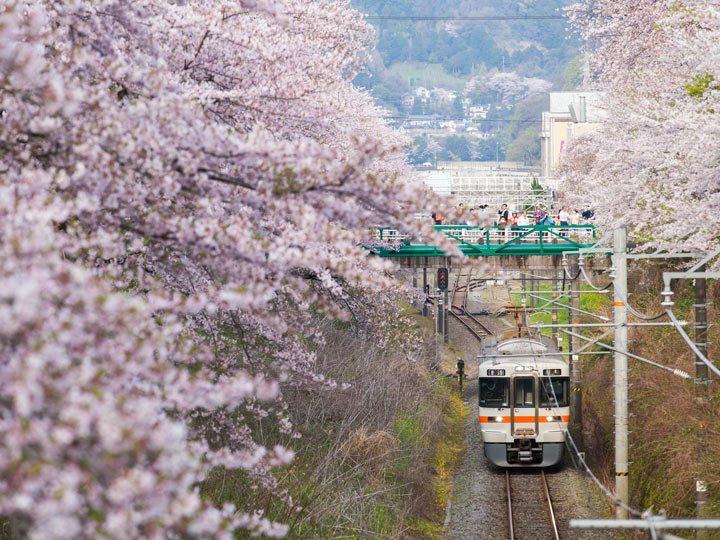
(475, 241)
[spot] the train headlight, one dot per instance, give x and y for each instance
(495, 418)
(553, 418)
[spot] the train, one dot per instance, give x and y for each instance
(524, 403)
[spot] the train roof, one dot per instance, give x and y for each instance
(521, 351)
(520, 345)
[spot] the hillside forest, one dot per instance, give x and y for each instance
(469, 89)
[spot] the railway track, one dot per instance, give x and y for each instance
(459, 310)
(530, 509)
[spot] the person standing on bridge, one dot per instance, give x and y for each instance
(484, 215)
(575, 218)
(564, 216)
(513, 224)
(503, 214)
(523, 220)
(461, 211)
(539, 215)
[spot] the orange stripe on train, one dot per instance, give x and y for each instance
(519, 419)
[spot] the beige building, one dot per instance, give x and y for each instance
(571, 114)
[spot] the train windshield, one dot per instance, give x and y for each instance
(494, 392)
(524, 392)
(552, 388)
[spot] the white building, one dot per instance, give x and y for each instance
(485, 182)
(422, 92)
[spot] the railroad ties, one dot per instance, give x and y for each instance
(458, 307)
(530, 509)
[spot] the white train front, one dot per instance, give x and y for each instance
(524, 400)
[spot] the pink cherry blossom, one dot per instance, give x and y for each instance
(181, 183)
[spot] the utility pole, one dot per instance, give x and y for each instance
(555, 286)
(532, 291)
(440, 312)
(425, 288)
(436, 315)
(619, 260)
(574, 345)
(701, 373)
(445, 318)
(523, 303)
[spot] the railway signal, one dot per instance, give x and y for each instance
(442, 279)
(460, 371)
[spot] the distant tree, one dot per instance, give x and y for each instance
(525, 147)
(535, 186)
(458, 106)
(481, 149)
(574, 73)
(536, 191)
(433, 150)
(417, 151)
(458, 145)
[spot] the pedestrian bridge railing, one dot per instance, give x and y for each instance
(474, 240)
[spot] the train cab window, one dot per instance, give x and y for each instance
(494, 392)
(524, 392)
(560, 386)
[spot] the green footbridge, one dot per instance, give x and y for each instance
(477, 241)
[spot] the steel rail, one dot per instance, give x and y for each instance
(509, 505)
(553, 522)
(465, 313)
(463, 309)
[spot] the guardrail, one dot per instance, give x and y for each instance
(493, 240)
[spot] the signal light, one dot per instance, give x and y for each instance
(442, 279)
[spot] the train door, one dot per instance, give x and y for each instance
(524, 391)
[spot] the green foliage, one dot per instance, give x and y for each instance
(536, 188)
(574, 73)
(458, 145)
(700, 85)
(525, 148)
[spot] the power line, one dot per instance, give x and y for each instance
(449, 18)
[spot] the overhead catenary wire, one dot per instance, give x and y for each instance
(557, 301)
(692, 345)
(674, 371)
(637, 313)
(606, 491)
(567, 273)
(589, 282)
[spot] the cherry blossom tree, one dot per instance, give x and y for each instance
(653, 163)
(181, 182)
(512, 87)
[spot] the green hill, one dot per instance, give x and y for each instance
(466, 57)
